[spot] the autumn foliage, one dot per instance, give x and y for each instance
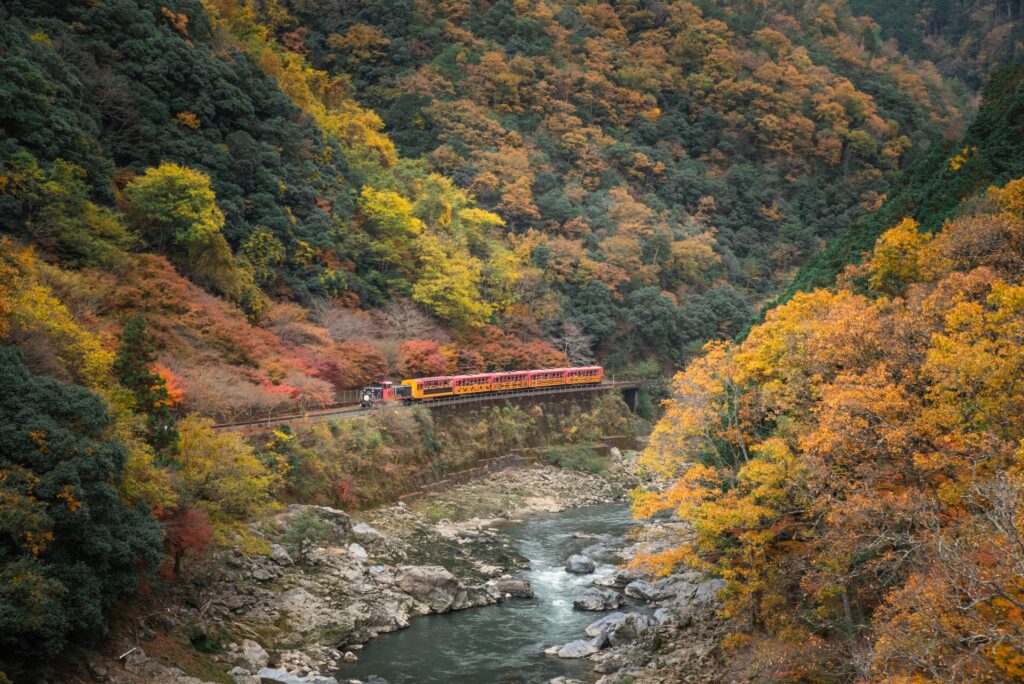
(185, 531)
(224, 210)
(854, 468)
(423, 358)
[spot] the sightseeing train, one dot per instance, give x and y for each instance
(428, 389)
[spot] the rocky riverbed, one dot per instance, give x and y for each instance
(297, 614)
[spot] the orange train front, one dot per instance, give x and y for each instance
(426, 389)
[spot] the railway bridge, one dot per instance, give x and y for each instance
(346, 410)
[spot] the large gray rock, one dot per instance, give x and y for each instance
(155, 672)
(577, 649)
(604, 624)
(271, 676)
(252, 656)
(618, 628)
(707, 592)
(516, 588)
(432, 585)
(339, 521)
(629, 628)
(663, 615)
(598, 598)
(580, 565)
(280, 555)
(366, 534)
(239, 675)
(638, 589)
(622, 577)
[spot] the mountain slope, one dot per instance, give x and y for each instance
(699, 149)
(853, 468)
(933, 187)
(966, 39)
(218, 210)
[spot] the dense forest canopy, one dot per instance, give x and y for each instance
(932, 188)
(218, 209)
(702, 149)
(853, 467)
(622, 169)
(966, 39)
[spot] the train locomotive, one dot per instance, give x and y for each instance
(418, 390)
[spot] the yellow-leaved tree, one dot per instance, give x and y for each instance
(175, 211)
(54, 342)
(219, 473)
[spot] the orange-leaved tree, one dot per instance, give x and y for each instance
(852, 468)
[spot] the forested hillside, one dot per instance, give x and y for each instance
(217, 209)
(853, 468)
(932, 188)
(640, 176)
(665, 164)
(965, 39)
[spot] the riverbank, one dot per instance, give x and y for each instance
(334, 581)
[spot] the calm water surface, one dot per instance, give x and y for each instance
(504, 643)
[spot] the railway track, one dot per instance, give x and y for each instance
(350, 411)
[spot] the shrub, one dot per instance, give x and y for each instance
(304, 531)
(422, 358)
(576, 457)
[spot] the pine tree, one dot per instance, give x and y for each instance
(132, 365)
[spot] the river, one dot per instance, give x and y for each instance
(505, 642)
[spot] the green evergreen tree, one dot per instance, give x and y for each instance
(135, 354)
(68, 548)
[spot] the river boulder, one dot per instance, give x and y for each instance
(434, 586)
(577, 649)
(629, 628)
(598, 598)
(638, 589)
(516, 588)
(604, 624)
(619, 628)
(271, 676)
(579, 565)
(619, 578)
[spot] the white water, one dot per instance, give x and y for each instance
(505, 643)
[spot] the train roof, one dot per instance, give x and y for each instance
(531, 370)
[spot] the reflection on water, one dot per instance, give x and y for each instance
(504, 643)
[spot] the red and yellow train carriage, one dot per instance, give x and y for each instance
(425, 389)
